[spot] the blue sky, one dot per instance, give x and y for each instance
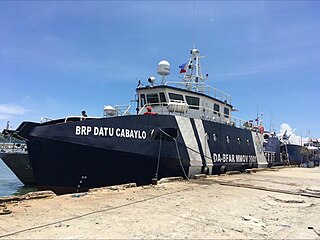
(59, 58)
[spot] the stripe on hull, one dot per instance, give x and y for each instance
(190, 140)
(203, 137)
(258, 140)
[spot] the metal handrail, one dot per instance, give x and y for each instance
(65, 119)
(122, 112)
(79, 117)
(233, 121)
(45, 119)
(14, 147)
(202, 87)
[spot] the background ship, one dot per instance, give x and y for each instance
(14, 154)
(294, 154)
(313, 147)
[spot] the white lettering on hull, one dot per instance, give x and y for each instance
(110, 132)
(224, 157)
(83, 130)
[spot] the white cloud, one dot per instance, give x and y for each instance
(294, 139)
(11, 109)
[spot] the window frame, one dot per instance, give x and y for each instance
(191, 103)
(226, 112)
(162, 97)
(216, 111)
(153, 96)
(143, 100)
(176, 94)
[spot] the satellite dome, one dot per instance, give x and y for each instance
(163, 68)
(109, 111)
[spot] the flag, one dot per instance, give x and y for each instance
(183, 68)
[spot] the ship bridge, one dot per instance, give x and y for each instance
(190, 98)
(168, 99)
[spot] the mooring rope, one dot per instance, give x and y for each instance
(175, 140)
(159, 156)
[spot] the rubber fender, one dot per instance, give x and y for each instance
(223, 169)
(205, 170)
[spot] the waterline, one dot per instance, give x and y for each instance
(10, 184)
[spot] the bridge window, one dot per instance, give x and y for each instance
(174, 96)
(226, 112)
(162, 97)
(216, 108)
(152, 98)
(143, 100)
(193, 102)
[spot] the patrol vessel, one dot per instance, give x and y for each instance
(313, 146)
(180, 128)
(292, 153)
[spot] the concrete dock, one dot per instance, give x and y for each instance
(275, 204)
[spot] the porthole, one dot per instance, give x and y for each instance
(215, 137)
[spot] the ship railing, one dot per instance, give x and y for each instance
(45, 119)
(216, 116)
(162, 110)
(66, 119)
(122, 110)
(203, 88)
(203, 113)
(13, 146)
(117, 110)
(270, 156)
(77, 118)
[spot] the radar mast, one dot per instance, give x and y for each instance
(193, 74)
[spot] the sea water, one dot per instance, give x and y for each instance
(10, 184)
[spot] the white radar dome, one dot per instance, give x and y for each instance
(109, 111)
(163, 68)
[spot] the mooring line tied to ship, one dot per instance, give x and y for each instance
(158, 163)
(178, 153)
(176, 144)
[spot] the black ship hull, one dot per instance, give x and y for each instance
(77, 156)
(82, 167)
(295, 154)
(20, 165)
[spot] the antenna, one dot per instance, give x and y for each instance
(194, 24)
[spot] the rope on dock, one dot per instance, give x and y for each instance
(94, 212)
(243, 185)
